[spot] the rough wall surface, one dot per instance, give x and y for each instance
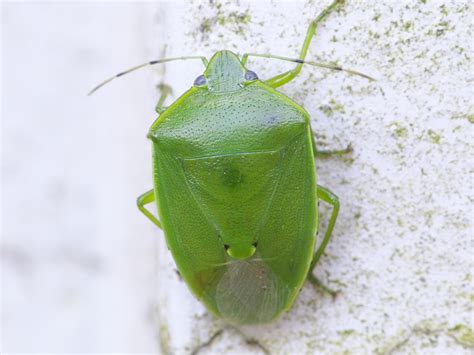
(77, 257)
(402, 248)
(77, 273)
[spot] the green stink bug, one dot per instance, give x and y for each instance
(235, 186)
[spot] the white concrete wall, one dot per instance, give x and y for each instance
(78, 260)
(83, 271)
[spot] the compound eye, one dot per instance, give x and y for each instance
(250, 75)
(200, 81)
(226, 246)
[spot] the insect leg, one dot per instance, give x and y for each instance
(318, 284)
(145, 199)
(328, 153)
(208, 342)
(282, 79)
(327, 196)
(165, 92)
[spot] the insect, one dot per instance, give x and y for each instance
(235, 185)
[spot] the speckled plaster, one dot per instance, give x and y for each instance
(402, 248)
(83, 271)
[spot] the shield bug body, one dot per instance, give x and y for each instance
(235, 187)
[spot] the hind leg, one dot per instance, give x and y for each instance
(326, 196)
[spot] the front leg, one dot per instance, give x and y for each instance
(165, 92)
(284, 78)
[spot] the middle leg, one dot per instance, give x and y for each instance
(328, 153)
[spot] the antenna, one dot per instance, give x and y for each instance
(314, 64)
(153, 62)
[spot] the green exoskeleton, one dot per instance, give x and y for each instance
(235, 186)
